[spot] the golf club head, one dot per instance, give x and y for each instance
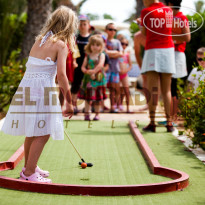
(88, 164)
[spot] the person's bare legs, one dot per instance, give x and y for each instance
(27, 144)
(125, 84)
(87, 107)
(174, 108)
(114, 94)
(97, 108)
(112, 97)
(153, 88)
(116, 87)
(144, 77)
(36, 148)
(165, 81)
(74, 100)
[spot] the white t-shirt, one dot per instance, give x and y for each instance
(196, 76)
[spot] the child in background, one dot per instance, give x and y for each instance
(125, 67)
(82, 41)
(34, 115)
(93, 84)
(159, 58)
(114, 51)
(196, 74)
(106, 68)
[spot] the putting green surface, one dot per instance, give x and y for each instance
(8, 145)
(113, 151)
(117, 161)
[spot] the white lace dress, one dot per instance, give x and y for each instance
(35, 109)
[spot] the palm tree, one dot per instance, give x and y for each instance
(199, 6)
(10, 17)
(37, 12)
(139, 7)
(69, 4)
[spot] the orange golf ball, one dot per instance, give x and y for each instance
(83, 165)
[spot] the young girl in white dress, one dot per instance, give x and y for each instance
(35, 110)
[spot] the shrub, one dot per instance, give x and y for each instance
(10, 78)
(192, 109)
(134, 28)
(12, 21)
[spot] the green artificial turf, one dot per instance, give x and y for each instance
(117, 160)
(113, 151)
(8, 145)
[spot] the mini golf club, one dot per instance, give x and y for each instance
(88, 164)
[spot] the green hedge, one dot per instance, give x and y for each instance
(192, 109)
(10, 78)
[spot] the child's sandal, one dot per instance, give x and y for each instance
(43, 173)
(36, 177)
(87, 118)
(96, 118)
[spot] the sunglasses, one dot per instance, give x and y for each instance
(124, 44)
(200, 59)
(112, 29)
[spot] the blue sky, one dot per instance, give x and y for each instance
(119, 9)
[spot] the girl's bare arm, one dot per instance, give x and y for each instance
(100, 65)
(184, 38)
(130, 63)
(114, 53)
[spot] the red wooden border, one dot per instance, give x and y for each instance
(13, 160)
(179, 182)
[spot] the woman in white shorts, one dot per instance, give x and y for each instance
(159, 59)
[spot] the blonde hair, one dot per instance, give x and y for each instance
(95, 39)
(63, 22)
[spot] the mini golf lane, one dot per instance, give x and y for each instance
(179, 182)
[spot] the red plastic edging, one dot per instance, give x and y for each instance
(181, 179)
(13, 160)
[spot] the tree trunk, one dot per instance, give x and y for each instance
(37, 11)
(140, 6)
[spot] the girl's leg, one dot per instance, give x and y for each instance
(153, 88)
(27, 144)
(35, 151)
(117, 92)
(74, 102)
(97, 108)
(125, 84)
(112, 95)
(165, 81)
(144, 77)
(87, 109)
(121, 94)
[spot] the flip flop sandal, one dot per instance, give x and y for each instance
(36, 177)
(43, 173)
